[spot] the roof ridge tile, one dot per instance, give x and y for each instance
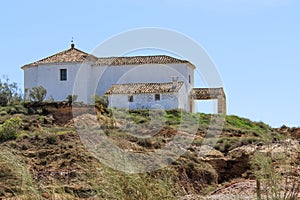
(74, 55)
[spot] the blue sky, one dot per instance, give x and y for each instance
(254, 44)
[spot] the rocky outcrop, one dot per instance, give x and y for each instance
(237, 163)
(61, 112)
(293, 132)
(234, 165)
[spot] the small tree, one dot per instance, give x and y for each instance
(37, 94)
(71, 98)
(9, 93)
(101, 102)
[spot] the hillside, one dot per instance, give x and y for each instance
(44, 157)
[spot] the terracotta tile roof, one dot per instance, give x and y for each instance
(71, 55)
(139, 60)
(74, 55)
(138, 88)
(207, 93)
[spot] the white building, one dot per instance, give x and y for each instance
(149, 95)
(132, 82)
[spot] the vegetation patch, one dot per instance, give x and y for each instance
(56, 165)
(10, 129)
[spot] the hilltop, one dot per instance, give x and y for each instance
(43, 157)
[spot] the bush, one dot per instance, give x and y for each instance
(12, 110)
(9, 93)
(101, 101)
(276, 185)
(71, 98)
(21, 109)
(37, 94)
(3, 113)
(10, 129)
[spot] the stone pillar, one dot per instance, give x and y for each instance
(222, 104)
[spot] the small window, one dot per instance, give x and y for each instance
(189, 78)
(157, 97)
(130, 98)
(63, 74)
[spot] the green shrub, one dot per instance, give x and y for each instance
(10, 129)
(12, 110)
(9, 93)
(3, 113)
(276, 185)
(101, 101)
(21, 109)
(37, 94)
(244, 125)
(71, 98)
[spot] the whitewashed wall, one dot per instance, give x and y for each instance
(151, 73)
(147, 101)
(144, 101)
(183, 99)
(118, 101)
(48, 76)
(30, 77)
(98, 79)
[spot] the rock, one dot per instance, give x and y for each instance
(237, 163)
(295, 133)
(46, 195)
(49, 119)
(8, 194)
(208, 152)
(234, 165)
